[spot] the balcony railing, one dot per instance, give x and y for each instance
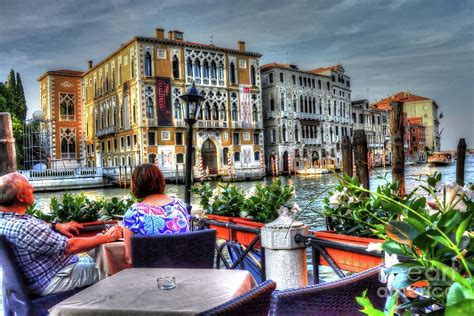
(179, 123)
(106, 131)
(311, 141)
(211, 124)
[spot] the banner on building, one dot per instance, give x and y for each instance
(245, 106)
(163, 101)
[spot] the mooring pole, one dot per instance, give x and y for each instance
(397, 139)
(360, 154)
(461, 159)
(347, 155)
(7, 145)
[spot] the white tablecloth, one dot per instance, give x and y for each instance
(135, 292)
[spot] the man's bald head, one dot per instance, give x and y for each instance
(10, 185)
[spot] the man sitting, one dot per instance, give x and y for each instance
(46, 254)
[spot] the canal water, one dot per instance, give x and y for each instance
(306, 187)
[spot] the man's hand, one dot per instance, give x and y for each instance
(68, 229)
(114, 232)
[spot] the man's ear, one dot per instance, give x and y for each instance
(19, 197)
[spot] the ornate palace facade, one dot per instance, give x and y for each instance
(306, 114)
(132, 112)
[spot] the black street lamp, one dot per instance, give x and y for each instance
(193, 106)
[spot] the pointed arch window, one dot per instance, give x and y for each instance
(273, 135)
(150, 111)
(234, 112)
(107, 82)
(310, 105)
(253, 80)
(177, 110)
(301, 104)
(113, 77)
(282, 102)
(222, 113)
(189, 67)
(284, 132)
(213, 70)
(254, 113)
(207, 111)
(175, 67)
(220, 71)
(120, 74)
(215, 112)
(272, 104)
(205, 70)
(68, 143)
(67, 103)
(320, 106)
(197, 69)
(232, 73)
(305, 104)
(329, 107)
(296, 134)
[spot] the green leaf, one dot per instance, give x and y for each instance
(449, 220)
(415, 223)
(451, 274)
(368, 308)
(461, 229)
(401, 232)
(464, 307)
(458, 293)
(440, 239)
(391, 247)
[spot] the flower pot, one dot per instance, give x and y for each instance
(245, 238)
(93, 228)
(221, 232)
(345, 259)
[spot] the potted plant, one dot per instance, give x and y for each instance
(228, 204)
(354, 217)
(435, 240)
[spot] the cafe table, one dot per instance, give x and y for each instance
(109, 258)
(135, 292)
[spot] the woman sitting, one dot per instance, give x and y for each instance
(157, 213)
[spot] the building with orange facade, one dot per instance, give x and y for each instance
(61, 101)
(415, 141)
(424, 108)
(132, 112)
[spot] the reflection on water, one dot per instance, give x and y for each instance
(307, 188)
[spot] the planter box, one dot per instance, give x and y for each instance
(245, 238)
(93, 228)
(221, 232)
(347, 260)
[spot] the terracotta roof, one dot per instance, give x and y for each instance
(400, 96)
(287, 67)
(62, 72)
(323, 69)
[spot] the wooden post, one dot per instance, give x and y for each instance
(461, 158)
(346, 147)
(360, 154)
(7, 145)
(397, 139)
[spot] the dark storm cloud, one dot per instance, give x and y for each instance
(426, 47)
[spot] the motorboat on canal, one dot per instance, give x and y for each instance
(312, 171)
(440, 159)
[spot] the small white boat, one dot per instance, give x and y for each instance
(312, 171)
(440, 159)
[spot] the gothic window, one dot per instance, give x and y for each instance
(106, 82)
(213, 70)
(273, 135)
(197, 69)
(296, 134)
(68, 143)
(305, 104)
(207, 112)
(205, 70)
(147, 64)
(120, 74)
(189, 67)
(329, 107)
(284, 132)
(301, 103)
(220, 72)
(222, 113)
(310, 105)
(67, 104)
(256, 156)
(151, 158)
(294, 103)
(320, 106)
(114, 113)
(314, 105)
(132, 66)
(232, 73)
(215, 113)
(282, 102)
(150, 112)
(113, 77)
(272, 104)
(175, 67)
(96, 122)
(107, 116)
(95, 87)
(335, 105)
(177, 110)
(253, 80)
(234, 112)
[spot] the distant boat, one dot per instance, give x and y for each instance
(312, 171)
(440, 159)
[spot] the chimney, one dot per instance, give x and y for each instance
(241, 46)
(175, 35)
(90, 64)
(160, 33)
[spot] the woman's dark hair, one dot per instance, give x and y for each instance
(147, 179)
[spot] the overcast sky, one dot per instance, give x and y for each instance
(422, 46)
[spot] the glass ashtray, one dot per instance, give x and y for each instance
(166, 282)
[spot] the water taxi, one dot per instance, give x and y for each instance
(440, 159)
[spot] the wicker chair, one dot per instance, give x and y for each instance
(194, 250)
(254, 302)
(333, 298)
(17, 299)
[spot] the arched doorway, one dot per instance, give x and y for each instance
(285, 162)
(209, 156)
